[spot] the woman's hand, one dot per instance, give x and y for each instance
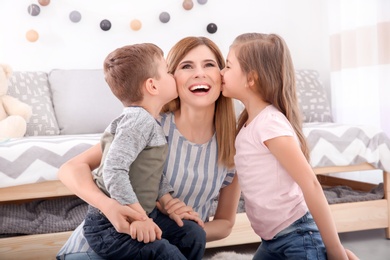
(177, 210)
(121, 216)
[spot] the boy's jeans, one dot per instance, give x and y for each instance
(187, 242)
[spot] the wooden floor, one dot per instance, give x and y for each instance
(367, 245)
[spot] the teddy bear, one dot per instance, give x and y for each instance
(14, 114)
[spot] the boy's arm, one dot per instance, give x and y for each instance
(165, 187)
(124, 149)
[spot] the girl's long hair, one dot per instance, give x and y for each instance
(267, 59)
(224, 116)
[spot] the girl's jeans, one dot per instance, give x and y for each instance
(187, 242)
(301, 240)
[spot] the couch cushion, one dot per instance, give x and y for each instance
(33, 89)
(83, 102)
(312, 97)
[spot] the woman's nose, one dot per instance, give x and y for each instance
(199, 72)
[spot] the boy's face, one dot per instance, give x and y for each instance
(166, 81)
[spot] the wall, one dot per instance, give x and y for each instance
(64, 44)
(67, 45)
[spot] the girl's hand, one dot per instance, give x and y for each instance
(351, 255)
(340, 253)
(145, 231)
(121, 216)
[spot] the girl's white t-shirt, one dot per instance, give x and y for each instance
(273, 200)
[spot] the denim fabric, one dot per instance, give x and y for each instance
(83, 256)
(301, 240)
(187, 242)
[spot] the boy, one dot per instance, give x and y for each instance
(134, 151)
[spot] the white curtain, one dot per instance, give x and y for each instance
(360, 61)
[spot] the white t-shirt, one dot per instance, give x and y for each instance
(273, 200)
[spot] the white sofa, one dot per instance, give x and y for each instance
(71, 108)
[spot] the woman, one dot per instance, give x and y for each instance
(200, 127)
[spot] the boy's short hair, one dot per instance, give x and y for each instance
(127, 68)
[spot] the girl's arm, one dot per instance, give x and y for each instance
(225, 215)
(76, 175)
(288, 153)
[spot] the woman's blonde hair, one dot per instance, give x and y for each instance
(224, 117)
(267, 60)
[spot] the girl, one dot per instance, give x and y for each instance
(284, 200)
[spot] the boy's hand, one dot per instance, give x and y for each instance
(145, 231)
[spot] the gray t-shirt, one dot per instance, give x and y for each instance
(134, 153)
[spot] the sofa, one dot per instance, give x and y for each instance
(71, 108)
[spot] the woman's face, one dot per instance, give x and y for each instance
(198, 78)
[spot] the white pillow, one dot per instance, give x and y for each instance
(83, 102)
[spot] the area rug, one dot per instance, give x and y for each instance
(231, 256)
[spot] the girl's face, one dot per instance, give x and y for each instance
(198, 78)
(234, 79)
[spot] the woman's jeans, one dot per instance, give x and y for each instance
(187, 242)
(301, 240)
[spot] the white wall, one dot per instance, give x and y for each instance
(64, 44)
(67, 45)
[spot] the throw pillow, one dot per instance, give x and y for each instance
(83, 102)
(312, 97)
(32, 88)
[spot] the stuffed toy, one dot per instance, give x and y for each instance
(14, 114)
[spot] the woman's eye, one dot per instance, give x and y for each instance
(210, 64)
(186, 66)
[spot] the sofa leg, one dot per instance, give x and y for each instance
(386, 188)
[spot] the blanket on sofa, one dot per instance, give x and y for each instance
(37, 158)
(333, 144)
(23, 161)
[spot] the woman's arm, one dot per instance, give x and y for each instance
(225, 215)
(76, 175)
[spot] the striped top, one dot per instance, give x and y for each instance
(191, 169)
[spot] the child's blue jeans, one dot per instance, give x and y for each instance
(301, 240)
(187, 242)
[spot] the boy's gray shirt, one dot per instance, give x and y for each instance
(134, 153)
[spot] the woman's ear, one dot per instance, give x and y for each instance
(151, 87)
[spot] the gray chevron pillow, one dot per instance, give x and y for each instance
(32, 88)
(312, 97)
